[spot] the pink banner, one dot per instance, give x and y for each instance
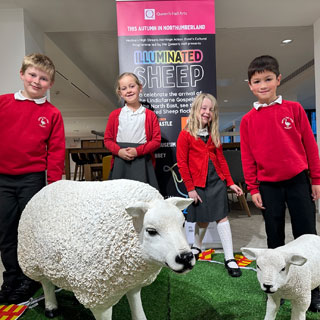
(170, 46)
(165, 17)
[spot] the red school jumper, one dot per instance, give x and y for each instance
(277, 143)
(32, 138)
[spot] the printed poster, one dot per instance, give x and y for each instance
(170, 46)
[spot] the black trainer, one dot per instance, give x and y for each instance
(315, 300)
(6, 290)
(24, 291)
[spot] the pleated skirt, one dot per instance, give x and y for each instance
(214, 197)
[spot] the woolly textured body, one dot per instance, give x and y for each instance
(78, 236)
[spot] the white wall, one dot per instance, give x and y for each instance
(12, 48)
(34, 36)
(19, 36)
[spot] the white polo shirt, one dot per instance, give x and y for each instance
(132, 125)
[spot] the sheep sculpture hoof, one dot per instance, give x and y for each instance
(51, 313)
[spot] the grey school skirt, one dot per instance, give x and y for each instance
(214, 198)
(139, 169)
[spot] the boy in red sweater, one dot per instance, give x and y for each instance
(279, 157)
(32, 144)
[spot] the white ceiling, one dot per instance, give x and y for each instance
(82, 41)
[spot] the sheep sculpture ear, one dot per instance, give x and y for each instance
(137, 212)
(251, 253)
(297, 259)
(179, 202)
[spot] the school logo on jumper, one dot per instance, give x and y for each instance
(43, 121)
(149, 14)
(287, 122)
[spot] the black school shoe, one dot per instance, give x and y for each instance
(6, 290)
(315, 300)
(23, 292)
(233, 272)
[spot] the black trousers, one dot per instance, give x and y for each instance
(15, 192)
(296, 194)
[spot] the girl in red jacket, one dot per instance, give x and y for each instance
(132, 134)
(206, 176)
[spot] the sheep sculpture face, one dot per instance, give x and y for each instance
(289, 272)
(161, 239)
(101, 240)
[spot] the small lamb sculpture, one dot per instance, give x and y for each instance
(101, 240)
(289, 272)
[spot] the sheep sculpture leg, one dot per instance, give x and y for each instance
(134, 298)
(102, 314)
(51, 303)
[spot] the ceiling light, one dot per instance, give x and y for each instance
(286, 41)
(225, 100)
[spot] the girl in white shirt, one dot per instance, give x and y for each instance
(132, 134)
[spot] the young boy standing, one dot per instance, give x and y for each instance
(279, 157)
(32, 142)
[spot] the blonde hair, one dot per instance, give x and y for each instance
(126, 74)
(194, 123)
(40, 61)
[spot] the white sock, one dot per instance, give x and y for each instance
(199, 234)
(225, 235)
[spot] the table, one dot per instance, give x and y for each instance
(80, 150)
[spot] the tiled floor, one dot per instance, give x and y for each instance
(246, 231)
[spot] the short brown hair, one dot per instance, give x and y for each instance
(263, 63)
(40, 61)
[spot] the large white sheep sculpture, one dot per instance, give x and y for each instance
(101, 240)
(289, 272)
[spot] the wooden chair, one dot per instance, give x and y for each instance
(233, 158)
(106, 167)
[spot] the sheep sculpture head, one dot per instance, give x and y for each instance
(159, 239)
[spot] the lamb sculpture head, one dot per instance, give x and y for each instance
(273, 267)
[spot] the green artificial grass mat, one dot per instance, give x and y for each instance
(205, 293)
